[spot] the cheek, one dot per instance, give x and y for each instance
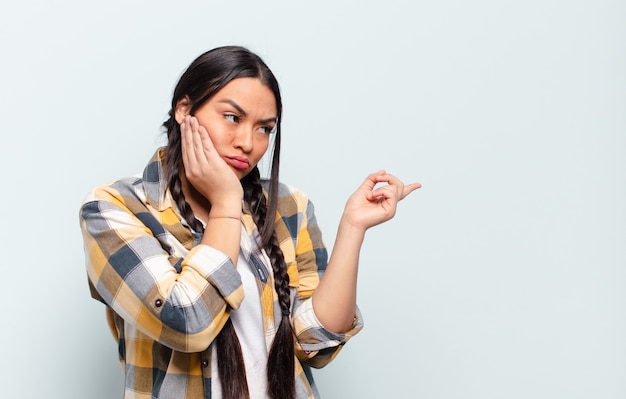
(218, 134)
(261, 146)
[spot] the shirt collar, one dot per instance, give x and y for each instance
(158, 196)
(154, 182)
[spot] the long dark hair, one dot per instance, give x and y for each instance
(204, 77)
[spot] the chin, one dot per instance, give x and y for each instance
(241, 174)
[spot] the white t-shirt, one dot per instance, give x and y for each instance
(248, 323)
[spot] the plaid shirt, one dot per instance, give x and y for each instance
(168, 297)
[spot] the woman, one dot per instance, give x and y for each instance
(217, 283)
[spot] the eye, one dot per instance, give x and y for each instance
(268, 129)
(231, 118)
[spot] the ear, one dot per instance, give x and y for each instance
(182, 109)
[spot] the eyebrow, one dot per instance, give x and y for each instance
(244, 113)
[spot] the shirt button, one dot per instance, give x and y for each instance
(158, 303)
(205, 363)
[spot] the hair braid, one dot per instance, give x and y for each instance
(230, 363)
(280, 364)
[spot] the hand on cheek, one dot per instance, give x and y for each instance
(204, 167)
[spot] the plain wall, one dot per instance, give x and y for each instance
(503, 277)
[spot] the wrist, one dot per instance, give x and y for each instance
(231, 212)
(350, 228)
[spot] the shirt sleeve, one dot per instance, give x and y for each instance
(316, 346)
(180, 302)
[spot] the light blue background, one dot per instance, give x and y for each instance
(503, 277)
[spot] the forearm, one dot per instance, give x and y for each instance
(334, 300)
(155, 297)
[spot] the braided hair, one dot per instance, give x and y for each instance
(204, 77)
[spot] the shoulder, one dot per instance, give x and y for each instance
(116, 199)
(128, 187)
(147, 187)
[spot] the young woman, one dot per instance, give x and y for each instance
(217, 283)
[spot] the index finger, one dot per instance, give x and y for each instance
(409, 188)
(187, 140)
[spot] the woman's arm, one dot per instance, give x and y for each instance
(334, 300)
(138, 269)
(307, 258)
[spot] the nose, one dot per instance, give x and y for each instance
(243, 139)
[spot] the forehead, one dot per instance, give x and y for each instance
(248, 93)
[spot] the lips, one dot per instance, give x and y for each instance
(238, 162)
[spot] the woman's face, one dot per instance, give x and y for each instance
(239, 119)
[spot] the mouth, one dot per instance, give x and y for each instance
(240, 163)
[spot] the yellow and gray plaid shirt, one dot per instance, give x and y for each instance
(167, 297)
